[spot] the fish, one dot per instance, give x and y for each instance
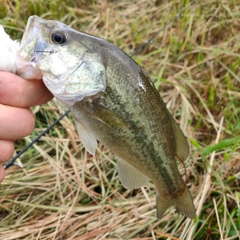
(115, 102)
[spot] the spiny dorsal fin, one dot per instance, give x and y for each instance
(129, 176)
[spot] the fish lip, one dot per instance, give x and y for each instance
(32, 33)
(30, 30)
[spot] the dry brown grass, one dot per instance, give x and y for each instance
(64, 193)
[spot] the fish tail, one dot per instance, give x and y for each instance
(183, 204)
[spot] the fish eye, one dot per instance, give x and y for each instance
(59, 38)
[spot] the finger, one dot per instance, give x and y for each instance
(16, 123)
(6, 150)
(2, 173)
(16, 91)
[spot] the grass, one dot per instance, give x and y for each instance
(64, 193)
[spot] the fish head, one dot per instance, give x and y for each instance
(71, 69)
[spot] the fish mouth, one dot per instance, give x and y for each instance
(32, 44)
(83, 76)
(31, 31)
(30, 47)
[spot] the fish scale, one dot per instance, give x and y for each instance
(113, 101)
(143, 140)
(154, 130)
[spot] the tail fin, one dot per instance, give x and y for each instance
(184, 205)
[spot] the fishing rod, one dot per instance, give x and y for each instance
(11, 162)
(149, 41)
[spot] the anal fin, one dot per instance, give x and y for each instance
(129, 176)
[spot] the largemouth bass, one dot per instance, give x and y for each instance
(115, 102)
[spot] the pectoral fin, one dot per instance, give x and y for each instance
(129, 176)
(110, 118)
(87, 138)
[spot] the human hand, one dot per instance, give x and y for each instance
(16, 119)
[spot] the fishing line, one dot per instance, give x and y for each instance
(11, 162)
(149, 41)
(181, 161)
(51, 52)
